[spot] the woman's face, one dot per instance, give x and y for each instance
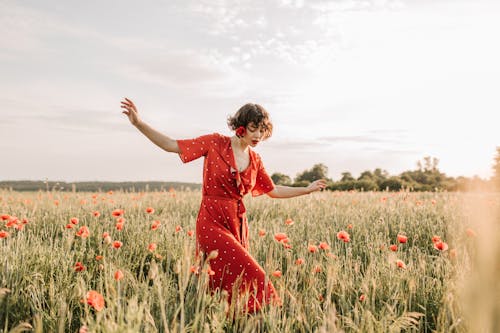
(254, 134)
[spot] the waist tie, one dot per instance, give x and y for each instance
(241, 210)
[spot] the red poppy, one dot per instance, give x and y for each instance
(117, 212)
(317, 269)
(195, 269)
(118, 275)
(435, 239)
(470, 232)
(119, 226)
(349, 226)
(344, 236)
(4, 234)
(95, 300)
(74, 220)
(98, 258)
(96, 214)
(79, 267)
(178, 228)
(190, 233)
(105, 234)
(362, 297)
(289, 221)
(262, 232)
(277, 273)
(312, 248)
(83, 232)
(155, 225)
(117, 244)
(299, 261)
(393, 247)
(402, 239)
(152, 247)
(69, 226)
(121, 219)
(280, 236)
(324, 246)
(400, 264)
(5, 217)
(441, 246)
(240, 131)
(150, 210)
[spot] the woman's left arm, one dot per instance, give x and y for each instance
(281, 191)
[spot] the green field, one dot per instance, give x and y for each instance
(353, 286)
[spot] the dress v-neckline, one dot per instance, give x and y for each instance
(234, 165)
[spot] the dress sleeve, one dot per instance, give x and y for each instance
(191, 149)
(263, 183)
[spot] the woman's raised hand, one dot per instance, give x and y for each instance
(130, 111)
(316, 185)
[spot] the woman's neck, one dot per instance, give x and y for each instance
(239, 144)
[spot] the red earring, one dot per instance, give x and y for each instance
(241, 131)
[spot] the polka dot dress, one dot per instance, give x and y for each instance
(222, 224)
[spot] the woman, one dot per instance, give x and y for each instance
(231, 169)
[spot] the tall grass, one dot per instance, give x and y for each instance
(353, 286)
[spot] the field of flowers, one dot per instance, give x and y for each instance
(341, 262)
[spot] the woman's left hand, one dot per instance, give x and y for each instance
(316, 185)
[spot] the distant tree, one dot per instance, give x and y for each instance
(366, 175)
(318, 171)
(391, 184)
(346, 177)
(281, 179)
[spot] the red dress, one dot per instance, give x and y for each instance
(222, 224)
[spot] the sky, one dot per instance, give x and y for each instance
(355, 85)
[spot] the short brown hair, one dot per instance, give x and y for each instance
(251, 113)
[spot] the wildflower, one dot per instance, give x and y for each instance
(5, 217)
(349, 226)
(299, 261)
(117, 244)
(118, 275)
(152, 247)
(4, 234)
(277, 273)
(96, 213)
(178, 228)
(400, 264)
(393, 247)
(117, 212)
(25, 221)
(317, 269)
(435, 239)
(362, 297)
(280, 236)
(262, 232)
(470, 232)
(79, 267)
(69, 226)
(120, 219)
(105, 234)
(312, 248)
(402, 239)
(150, 210)
(119, 226)
(190, 233)
(441, 246)
(74, 220)
(95, 300)
(344, 236)
(83, 232)
(324, 246)
(289, 221)
(195, 270)
(155, 225)
(98, 257)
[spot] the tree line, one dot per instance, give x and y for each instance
(426, 177)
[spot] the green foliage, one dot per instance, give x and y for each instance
(318, 171)
(281, 179)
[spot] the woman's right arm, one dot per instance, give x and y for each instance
(159, 139)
